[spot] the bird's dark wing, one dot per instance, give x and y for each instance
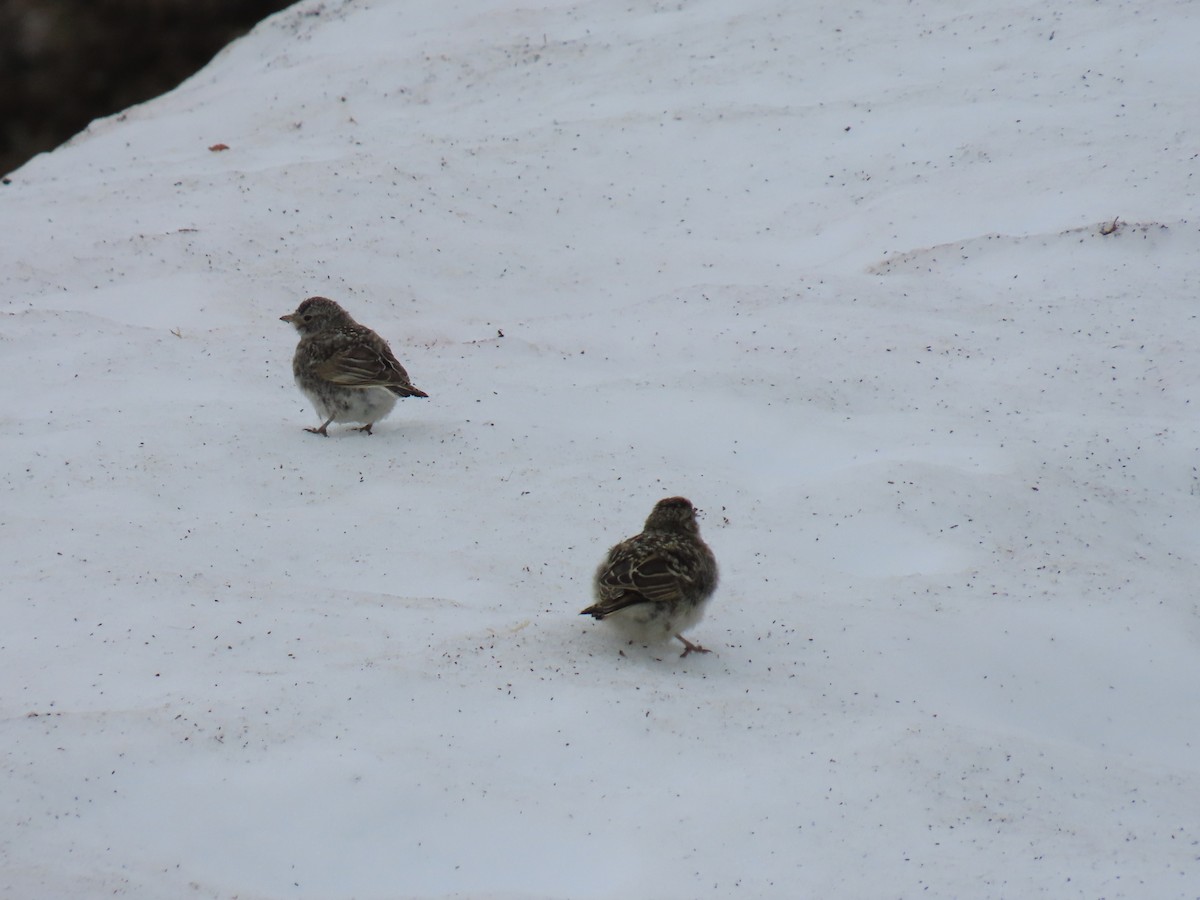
(647, 568)
(359, 364)
(653, 578)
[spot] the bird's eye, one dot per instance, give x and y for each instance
(308, 318)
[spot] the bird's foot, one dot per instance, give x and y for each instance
(689, 647)
(367, 428)
(321, 431)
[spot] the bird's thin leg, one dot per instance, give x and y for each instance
(366, 428)
(321, 431)
(689, 647)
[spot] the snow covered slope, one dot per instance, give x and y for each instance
(845, 276)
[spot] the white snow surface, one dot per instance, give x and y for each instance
(836, 272)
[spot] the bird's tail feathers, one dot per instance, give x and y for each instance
(607, 607)
(409, 391)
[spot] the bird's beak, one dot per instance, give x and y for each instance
(287, 318)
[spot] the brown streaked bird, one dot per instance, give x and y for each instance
(655, 585)
(346, 370)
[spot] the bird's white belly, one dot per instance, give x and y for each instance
(353, 404)
(648, 623)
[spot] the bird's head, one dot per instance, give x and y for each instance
(672, 514)
(316, 314)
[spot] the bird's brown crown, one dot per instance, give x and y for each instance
(672, 514)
